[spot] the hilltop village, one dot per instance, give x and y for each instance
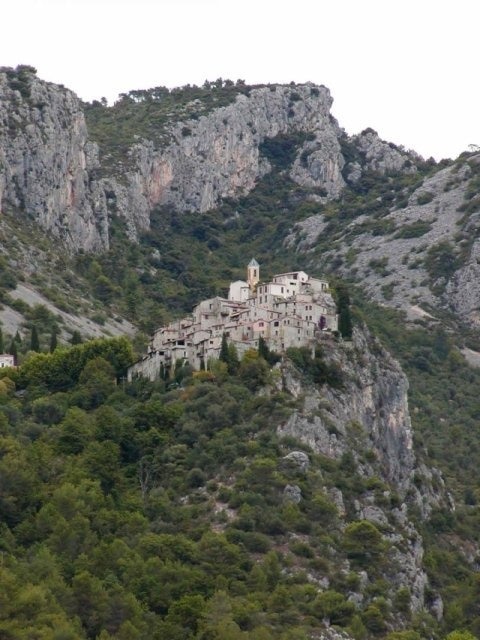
(292, 310)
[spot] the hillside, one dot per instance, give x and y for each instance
(264, 501)
(254, 501)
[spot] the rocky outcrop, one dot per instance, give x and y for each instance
(367, 421)
(371, 407)
(46, 160)
(421, 252)
(50, 170)
(219, 155)
(383, 157)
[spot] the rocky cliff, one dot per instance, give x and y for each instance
(404, 230)
(50, 168)
(365, 424)
(46, 160)
(414, 248)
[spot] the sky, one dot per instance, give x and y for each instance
(408, 69)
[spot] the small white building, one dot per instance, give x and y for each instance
(6, 360)
(292, 310)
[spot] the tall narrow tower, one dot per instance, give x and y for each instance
(253, 273)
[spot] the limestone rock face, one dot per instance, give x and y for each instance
(463, 290)
(392, 257)
(220, 155)
(382, 156)
(49, 169)
(367, 421)
(46, 160)
(298, 460)
(372, 406)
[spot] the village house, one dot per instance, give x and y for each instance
(292, 310)
(6, 360)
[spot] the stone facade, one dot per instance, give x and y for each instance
(6, 360)
(292, 310)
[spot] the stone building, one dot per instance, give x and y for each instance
(6, 360)
(292, 310)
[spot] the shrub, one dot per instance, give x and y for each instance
(414, 230)
(424, 198)
(334, 606)
(441, 261)
(301, 549)
(363, 542)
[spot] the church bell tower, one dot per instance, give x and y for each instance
(253, 273)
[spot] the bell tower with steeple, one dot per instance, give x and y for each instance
(253, 273)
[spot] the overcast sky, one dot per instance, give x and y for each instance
(407, 68)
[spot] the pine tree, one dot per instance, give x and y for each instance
(34, 341)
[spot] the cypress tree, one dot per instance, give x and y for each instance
(18, 338)
(224, 350)
(228, 354)
(233, 361)
(53, 340)
(2, 346)
(34, 341)
(263, 350)
(343, 303)
(76, 338)
(13, 350)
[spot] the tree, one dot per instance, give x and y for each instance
(2, 347)
(53, 340)
(34, 340)
(76, 338)
(265, 353)
(224, 350)
(363, 542)
(343, 304)
(12, 350)
(228, 354)
(253, 370)
(334, 606)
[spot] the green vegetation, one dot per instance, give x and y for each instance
(414, 230)
(425, 197)
(145, 511)
(441, 261)
(146, 114)
(157, 510)
(444, 409)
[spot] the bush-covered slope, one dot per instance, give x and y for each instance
(174, 509)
